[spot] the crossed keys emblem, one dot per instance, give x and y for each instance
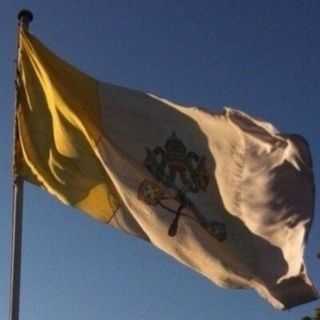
(178, 173)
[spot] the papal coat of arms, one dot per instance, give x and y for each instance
(178, 172)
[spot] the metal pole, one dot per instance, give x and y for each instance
(24, 17)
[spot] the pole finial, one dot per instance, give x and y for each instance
(25, 17)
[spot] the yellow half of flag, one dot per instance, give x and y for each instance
(59, 123)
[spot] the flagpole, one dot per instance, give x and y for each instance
(24, 18)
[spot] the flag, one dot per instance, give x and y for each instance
(222, 192)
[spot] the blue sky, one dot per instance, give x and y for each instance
(259, 56)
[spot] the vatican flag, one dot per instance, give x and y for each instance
(222, 192)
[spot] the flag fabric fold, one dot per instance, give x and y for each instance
(222, 192)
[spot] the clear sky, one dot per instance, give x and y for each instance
(259, 56)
